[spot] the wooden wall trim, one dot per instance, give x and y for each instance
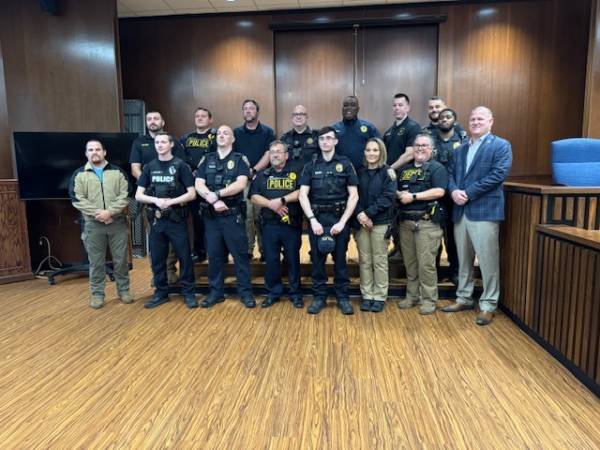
(591, 114)
(549, 190)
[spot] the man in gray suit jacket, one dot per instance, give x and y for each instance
(481, 166)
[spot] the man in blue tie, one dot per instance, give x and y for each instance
(480, 168)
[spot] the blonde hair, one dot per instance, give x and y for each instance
(382, 152)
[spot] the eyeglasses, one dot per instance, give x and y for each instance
(298, 114)
(421, 146)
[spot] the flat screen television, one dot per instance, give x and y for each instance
(45, 161)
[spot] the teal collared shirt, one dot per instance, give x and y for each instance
(473, 147)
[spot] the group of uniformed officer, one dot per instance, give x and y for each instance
(308, 171)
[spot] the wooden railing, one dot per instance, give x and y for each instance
(549, 264)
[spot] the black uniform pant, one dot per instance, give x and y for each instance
(197, 228)
(278, 236)
(162, 232)
(227, 233)
(340, 268)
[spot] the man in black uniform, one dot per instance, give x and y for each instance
(328, 196)
(196, 145)
(142, 152)
(221, 179)
(166, 185)
(447, 140)
(398, 141)
(435, 106)
(276, 190)
(252, 139)
(400, 136)
(301, 140)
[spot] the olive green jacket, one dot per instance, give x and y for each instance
(89, 195)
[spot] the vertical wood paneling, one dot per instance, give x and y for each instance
(500, 54)
(216, 62)
(568, 300)
(518, 247)
(303, 60)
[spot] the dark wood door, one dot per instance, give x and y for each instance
(318, 68)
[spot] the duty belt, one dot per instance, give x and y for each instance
(415, 215)
(335, 207)
(209, 211)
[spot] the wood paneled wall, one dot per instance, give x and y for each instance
(61, 74)
(304, 59)
(591, 119)
(526, 60)
(176, 64)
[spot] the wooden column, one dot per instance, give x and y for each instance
(15, 264)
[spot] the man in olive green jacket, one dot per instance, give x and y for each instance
(99, 190)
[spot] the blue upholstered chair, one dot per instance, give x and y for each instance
(576, 162)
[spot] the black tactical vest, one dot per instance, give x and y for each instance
(165, 179)
(220, 173)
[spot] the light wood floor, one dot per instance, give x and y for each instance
(232, 378)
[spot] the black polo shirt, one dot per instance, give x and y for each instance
(398, 137)
(253, 143)
(196, 145)
(143, 150)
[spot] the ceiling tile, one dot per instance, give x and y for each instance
(146, 5)
(276, 6)
(205, 10)
(187, 4)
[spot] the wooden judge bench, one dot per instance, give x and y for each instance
(550, 271)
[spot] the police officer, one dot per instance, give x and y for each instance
(221, 179)
(301, 140)
(166, 185)
(142, 152)
(435, 106)
(328, 196)
(276, 190)
(422, 184)
(447, 140)
(353, 133)
(252, 139)
(196, 145)
(398, 140)
(399, 137)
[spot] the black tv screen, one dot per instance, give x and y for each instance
(45, 161)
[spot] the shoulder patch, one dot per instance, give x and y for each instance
(392, 174)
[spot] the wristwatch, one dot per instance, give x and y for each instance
(283, 201)
(414, 196)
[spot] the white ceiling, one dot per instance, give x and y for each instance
(145, 8)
